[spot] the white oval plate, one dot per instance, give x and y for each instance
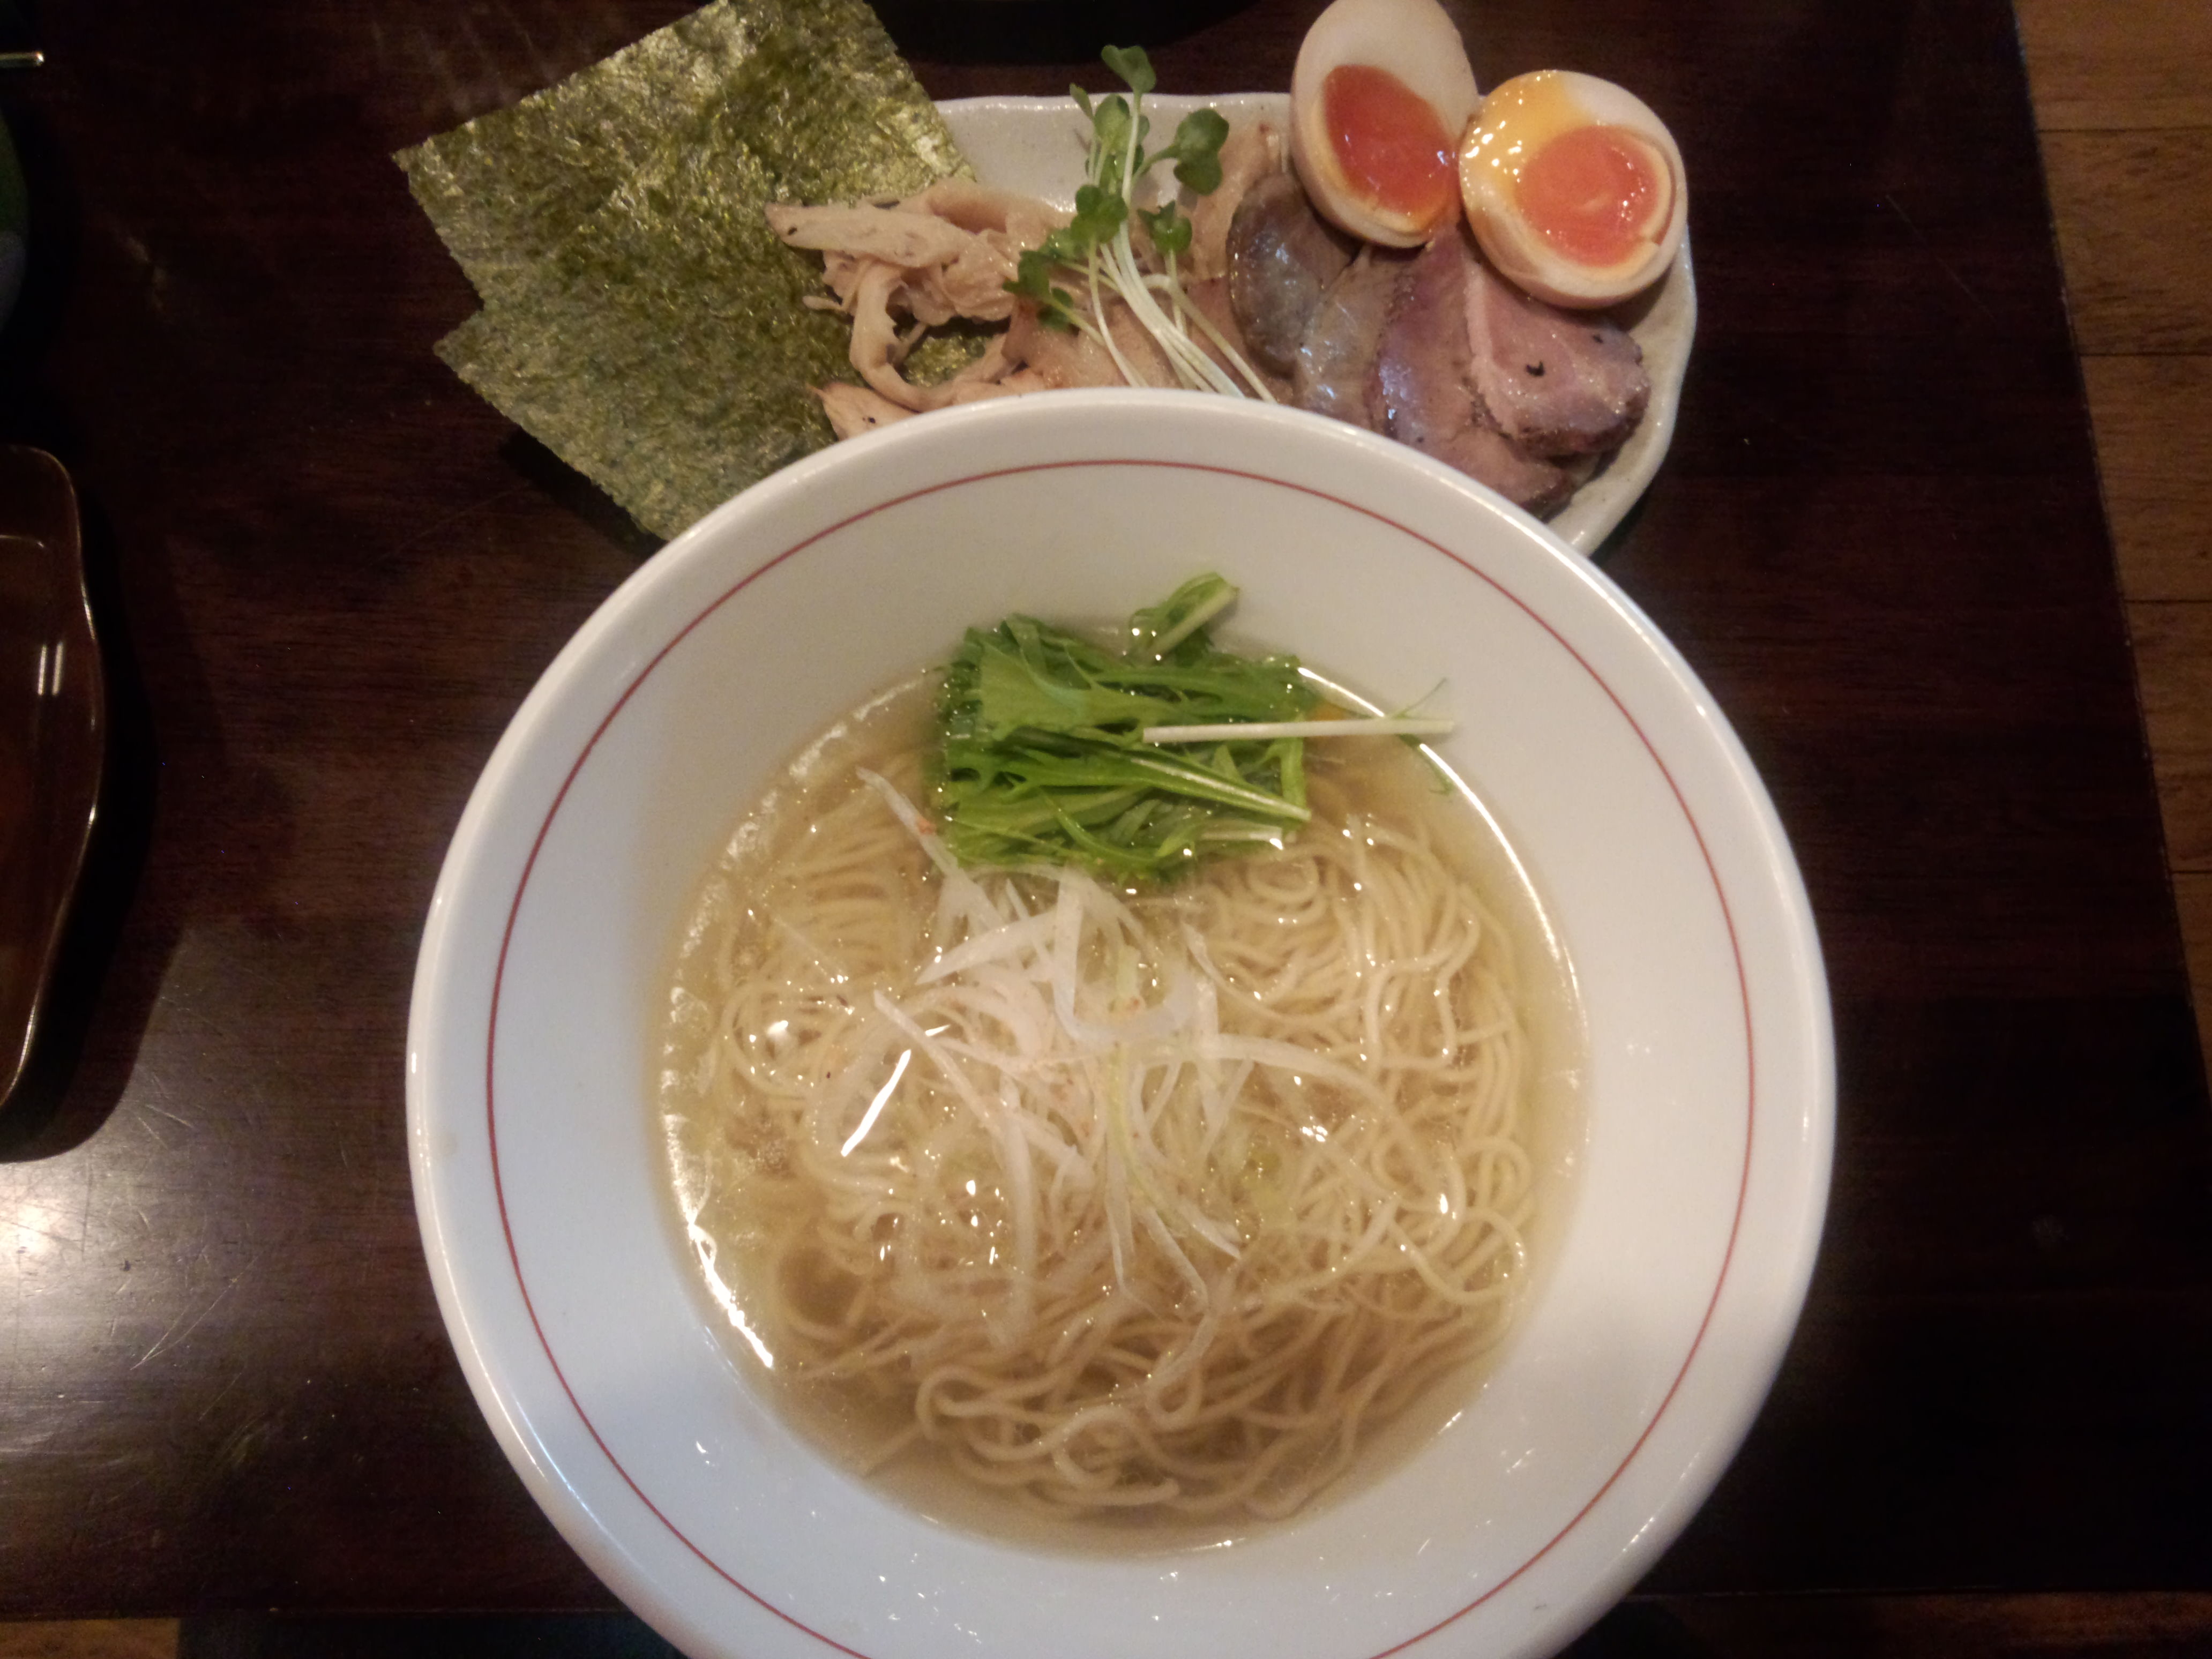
(1036, 145)
(1679, 1262)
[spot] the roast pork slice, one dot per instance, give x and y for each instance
(1422, 388)
(1249, 155)
(1556, 382)
(1282, 257)
(1334, 367)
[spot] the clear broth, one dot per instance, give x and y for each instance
(712, 1171)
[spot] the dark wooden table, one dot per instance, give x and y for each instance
(327, 573)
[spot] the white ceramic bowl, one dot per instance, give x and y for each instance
(1678, 1269)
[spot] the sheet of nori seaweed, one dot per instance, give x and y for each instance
(640, 319)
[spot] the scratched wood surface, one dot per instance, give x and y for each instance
(2122, 91)
(223, 1385)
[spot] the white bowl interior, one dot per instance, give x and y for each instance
(1679, 1267)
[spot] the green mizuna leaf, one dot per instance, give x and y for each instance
(1042, 755)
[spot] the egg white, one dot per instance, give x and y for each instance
(1417, 41)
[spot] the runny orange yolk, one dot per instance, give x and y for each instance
(1391, 145)
(1589, 192)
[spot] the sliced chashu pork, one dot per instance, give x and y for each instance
(1333, 372)
(1556, 382)
(1422, 388)
(1283, 256)
(1249, 155)
(1447, 356)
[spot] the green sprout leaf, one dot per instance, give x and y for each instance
(1196, 151)
(1109, 142)
(1099, 215)
(1033, 280)
(1133, 66)
(1096, 248)
(1169, 227)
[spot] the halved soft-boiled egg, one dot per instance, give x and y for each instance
(1573, 187)
(1381, 95)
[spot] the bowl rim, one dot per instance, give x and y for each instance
(554, 1494)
